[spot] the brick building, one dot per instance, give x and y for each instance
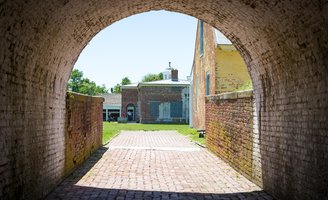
(111, 106)
(164, 101)
(218, 67)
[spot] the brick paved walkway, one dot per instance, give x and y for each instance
(155, 165)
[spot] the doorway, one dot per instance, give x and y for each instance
(130, 112)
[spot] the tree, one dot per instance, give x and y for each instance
(75, 80)
(125, 81)
(117, 87)
(82, 85)
(160, 75)
(102, 89)
(152, 77)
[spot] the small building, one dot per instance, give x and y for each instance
(217, 68)
(111, 106)
(163, 101)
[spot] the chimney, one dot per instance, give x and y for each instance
(174, 75)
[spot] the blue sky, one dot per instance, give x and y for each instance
(139, 45)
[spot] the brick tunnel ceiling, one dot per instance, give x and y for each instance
(50, 36)
(284, 44)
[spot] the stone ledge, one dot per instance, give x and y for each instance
(231, 95)
(80, 96)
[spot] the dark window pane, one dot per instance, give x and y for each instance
(154, 108)
(201, 39)
(176, 109)
(207, 84)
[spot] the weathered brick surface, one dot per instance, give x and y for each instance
(230, 132)
(202, 65)
(284, 44)
(83, 133)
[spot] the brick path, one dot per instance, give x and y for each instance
(155, 165)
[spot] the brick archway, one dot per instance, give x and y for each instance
(284, 44)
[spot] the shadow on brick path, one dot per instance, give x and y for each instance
(76, 175)
(82, 192)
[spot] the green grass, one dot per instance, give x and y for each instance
(111, 129)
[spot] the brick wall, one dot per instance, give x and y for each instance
(130, 96)
(35, 161)
(202, 65)
(32, 142)
(83, 132)
(230, 132)
(162, 94)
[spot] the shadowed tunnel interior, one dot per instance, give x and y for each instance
(284, 44)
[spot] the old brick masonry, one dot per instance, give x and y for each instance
(83, 133)
(231, 132)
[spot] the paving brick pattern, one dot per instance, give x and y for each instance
(155, 165)
(151, 139)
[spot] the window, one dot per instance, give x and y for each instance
(207, 83)
(201, 38)
(154, 108)
(176, 109)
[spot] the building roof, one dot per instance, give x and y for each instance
(167, 82)
(112, 99)
(132, 85)
(220, 38)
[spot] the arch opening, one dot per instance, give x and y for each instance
(283, 43)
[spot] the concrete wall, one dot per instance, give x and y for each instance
(230, 132)
(83, 132)
(283, 43)
(164, 95)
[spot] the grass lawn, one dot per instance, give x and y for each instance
(111, 129)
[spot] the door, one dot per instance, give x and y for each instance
(130, 111)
